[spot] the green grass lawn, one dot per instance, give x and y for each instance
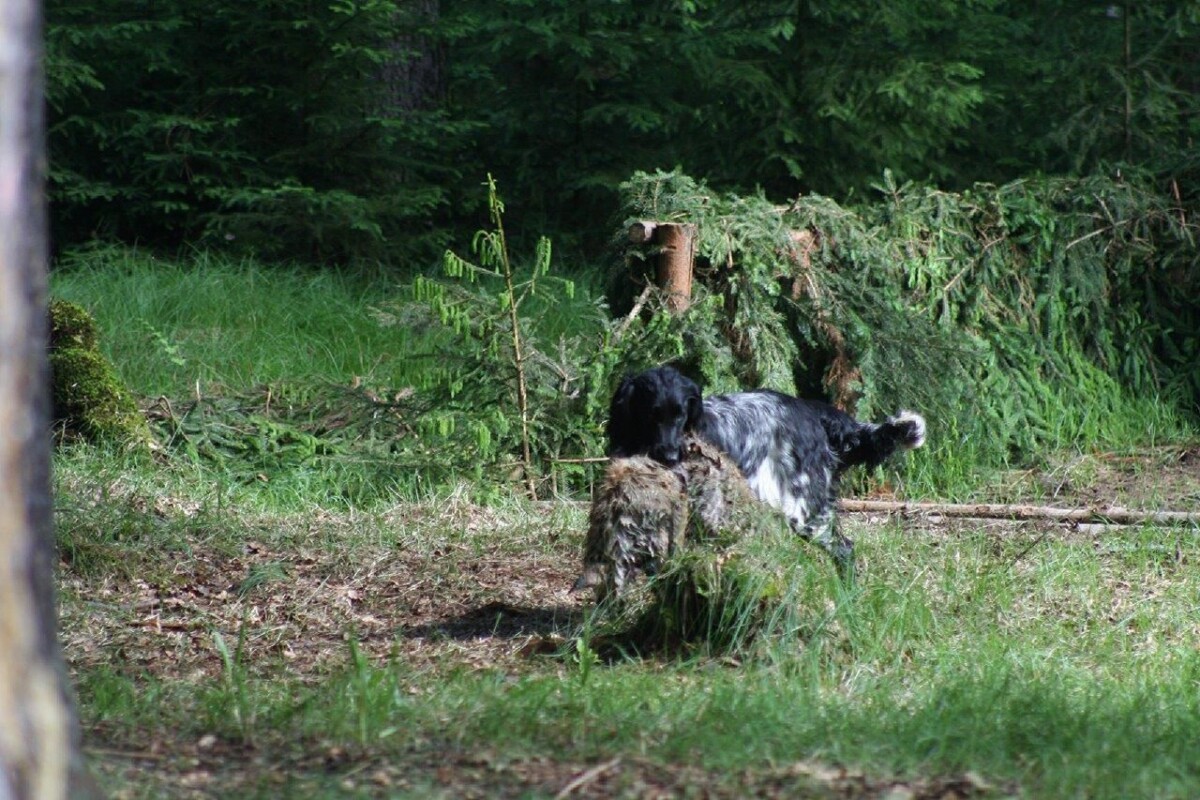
(208, 323)
(271, 625)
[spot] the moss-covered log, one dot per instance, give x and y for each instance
(88, 399)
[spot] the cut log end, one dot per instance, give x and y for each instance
(678, 244)
(642, 231)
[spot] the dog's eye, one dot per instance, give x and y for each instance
(670, 411)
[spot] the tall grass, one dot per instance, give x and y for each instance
(959, 466)
(207, 325)
(173, 325)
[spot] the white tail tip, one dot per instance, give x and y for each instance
(916, 425)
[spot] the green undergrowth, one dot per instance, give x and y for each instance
(295, 410)
(1022, 320)
(325, 388)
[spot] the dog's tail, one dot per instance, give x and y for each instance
(871, 443)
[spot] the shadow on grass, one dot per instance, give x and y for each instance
(499, 620)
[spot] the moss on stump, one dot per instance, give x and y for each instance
(767, 589)
(72, 326)
(87, 397)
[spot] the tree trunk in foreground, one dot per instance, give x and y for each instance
(39, 742)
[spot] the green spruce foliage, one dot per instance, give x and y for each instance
(303, 131)
(354, 128)
(504, 383)
(1079, 87)
(1017, 317)
(1020, 319)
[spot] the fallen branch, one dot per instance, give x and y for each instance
(587, 777)
(1120, 516)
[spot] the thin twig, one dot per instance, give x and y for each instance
(633, 313)
(587, 777)
(1087, 236)
(1179, 203)
(956, 278)
(518, 353)
(140, 755)
(1030, 547)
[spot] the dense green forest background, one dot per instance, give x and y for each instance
(353, 129)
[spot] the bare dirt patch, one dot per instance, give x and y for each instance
(294, 606)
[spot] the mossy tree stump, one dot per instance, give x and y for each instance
(88, 400)
(734, 594)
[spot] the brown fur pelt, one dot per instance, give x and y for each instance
(643, 510)
(637, 518)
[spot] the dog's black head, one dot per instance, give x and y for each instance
(650, 412)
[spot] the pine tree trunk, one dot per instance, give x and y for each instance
(39, 741)
(414, 76)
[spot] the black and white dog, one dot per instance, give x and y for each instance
(792, 451)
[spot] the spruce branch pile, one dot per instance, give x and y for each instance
(1033, 315)
(1009, 314)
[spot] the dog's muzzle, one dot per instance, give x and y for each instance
(666, 454)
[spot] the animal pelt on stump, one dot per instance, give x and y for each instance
(721, 505)
(727, 571)
(638, 516)
(643, 511)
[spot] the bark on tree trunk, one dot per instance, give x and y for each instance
(39, 742)
(415, 75)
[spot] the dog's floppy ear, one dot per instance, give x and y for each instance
(619, 424)
(692, 402)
